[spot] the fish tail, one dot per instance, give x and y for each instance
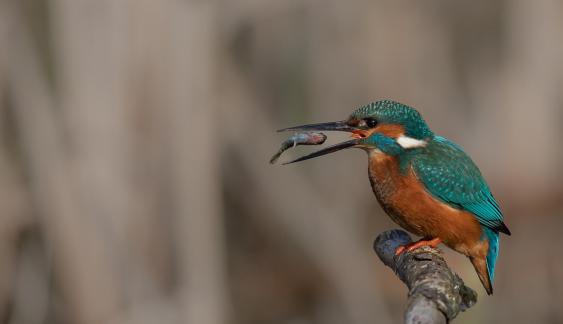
(284, 147)
(276, 157)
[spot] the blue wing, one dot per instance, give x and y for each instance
(450, 175)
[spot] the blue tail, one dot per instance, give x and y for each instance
(492, 255)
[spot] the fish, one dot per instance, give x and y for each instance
(305, 138)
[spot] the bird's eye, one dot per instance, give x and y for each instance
(370, 122)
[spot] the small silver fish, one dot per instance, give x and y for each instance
(306, 138)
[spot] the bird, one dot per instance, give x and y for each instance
(426, 183)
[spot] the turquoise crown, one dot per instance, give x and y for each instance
(392, 112)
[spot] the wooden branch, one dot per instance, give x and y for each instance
(436, 293)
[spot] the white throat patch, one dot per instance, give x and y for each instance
(409, 142)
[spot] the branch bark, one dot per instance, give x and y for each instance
(436, 293)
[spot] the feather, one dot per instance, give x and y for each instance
(450, 175)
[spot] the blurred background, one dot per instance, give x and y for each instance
(135, 137)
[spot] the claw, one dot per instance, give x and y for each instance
(415, 245)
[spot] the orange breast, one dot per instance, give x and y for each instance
(406, 201)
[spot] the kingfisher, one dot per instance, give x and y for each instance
(426, 183)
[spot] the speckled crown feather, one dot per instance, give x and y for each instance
(392, 112)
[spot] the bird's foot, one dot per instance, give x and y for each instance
(415, 245)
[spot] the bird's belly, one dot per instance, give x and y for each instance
(406, 201)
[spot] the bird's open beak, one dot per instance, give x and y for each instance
(331, 126)
(330, 149)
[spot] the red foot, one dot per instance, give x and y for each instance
(415, 245)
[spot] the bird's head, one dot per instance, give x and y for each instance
(382, 126)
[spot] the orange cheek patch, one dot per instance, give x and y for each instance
(389, 130)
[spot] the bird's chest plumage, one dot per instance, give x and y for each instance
(384, 177)
(387, 183)
(405, 199)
